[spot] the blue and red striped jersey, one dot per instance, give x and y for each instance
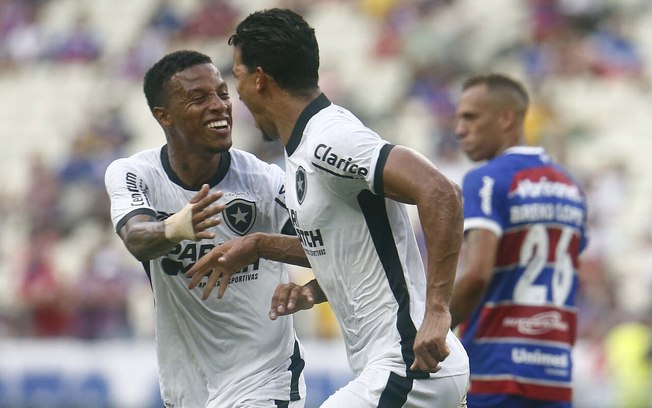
(520, 336)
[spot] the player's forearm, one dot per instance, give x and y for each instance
(281, 248)
(442, 225)
(147, 240)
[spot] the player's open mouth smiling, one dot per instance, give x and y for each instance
(218, 124)
(221, 126)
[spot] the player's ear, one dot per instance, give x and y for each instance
(508, 118)
(261, 79)
(162, 116)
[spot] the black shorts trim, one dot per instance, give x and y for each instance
(396, 391)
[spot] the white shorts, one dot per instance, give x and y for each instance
(254, 401)
(271, 389)
(270, 404)
(380, 388)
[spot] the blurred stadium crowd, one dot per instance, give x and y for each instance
(70, 75)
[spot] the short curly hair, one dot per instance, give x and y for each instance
(158, 76)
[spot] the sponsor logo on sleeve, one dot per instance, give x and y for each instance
(138, 190)
(329, 161)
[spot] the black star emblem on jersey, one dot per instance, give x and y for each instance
(239, 215)
(301, 184)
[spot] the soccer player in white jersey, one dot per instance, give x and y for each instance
(164, 205)
(345, 189)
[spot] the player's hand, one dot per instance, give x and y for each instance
(195, 218)
(430, 343)
(204, 212)
(222, 262)
(289, 298)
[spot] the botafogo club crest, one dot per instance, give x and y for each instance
(301, 185)
(240, 215)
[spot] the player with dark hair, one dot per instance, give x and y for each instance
(164, 205)
(524, 223)
(345, 189)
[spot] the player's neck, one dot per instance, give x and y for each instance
(287, 112)
(194, 171)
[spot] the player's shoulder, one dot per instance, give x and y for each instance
(505, 164)
(335, 117)
(563, 170)
(338, 127)
(139, 160)
(495, 173)
(243, 156)
(245, 162)
(487, 168)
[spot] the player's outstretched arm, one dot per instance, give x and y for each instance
(146, 238)
(225, 260)
(290, 298)
(439, 205)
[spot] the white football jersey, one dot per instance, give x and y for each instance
(361, 246)
(208, 348)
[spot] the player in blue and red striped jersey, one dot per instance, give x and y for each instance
(524, 225)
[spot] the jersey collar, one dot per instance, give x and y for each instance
(311, 110)
(222, 169)
(535, 150)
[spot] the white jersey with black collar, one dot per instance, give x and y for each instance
(360, 245)
(208, 349)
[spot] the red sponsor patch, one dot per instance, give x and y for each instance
(533, 322)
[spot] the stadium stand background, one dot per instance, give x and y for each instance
(71, 101)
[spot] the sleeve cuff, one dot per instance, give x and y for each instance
(483, 223)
